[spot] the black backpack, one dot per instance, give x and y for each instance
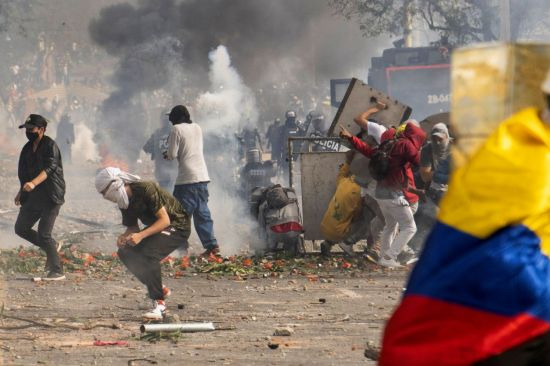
(379, 164)
(276, 196)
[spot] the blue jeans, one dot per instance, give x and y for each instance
(194, 199)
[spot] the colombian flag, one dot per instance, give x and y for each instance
(481, 288)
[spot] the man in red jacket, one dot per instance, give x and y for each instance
(396, 193)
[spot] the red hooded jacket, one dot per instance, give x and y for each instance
(405, 152)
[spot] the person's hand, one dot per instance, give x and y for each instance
(29, 186)
(380, 105)
(134, 239)
(17, 199)
(121, 241)
(345, 134)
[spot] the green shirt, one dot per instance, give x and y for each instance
(147, 198)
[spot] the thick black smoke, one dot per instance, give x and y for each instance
(255, 31)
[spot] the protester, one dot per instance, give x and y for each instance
(167, 227)
(396, 193)
(435, 162)
(347, 217)
(372, 138)
(42, 192)
(65, 138)
(165, 170)
(185, 143)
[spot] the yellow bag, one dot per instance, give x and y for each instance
(343, 207)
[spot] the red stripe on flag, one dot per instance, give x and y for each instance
(426, 331)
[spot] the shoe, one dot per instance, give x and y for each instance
(372, 255)
(145, 304)
(388, 262)
(54, 276)
(157, 312)
(325, 248)
(407, 256)
(213, 250)
(347, 248)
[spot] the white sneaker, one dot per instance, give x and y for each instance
(157, 312)
(390, 263)
(145, 303)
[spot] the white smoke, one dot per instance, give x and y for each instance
(228, 105)
(84, 148)
(230, 102)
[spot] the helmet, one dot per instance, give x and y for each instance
(546, 83)
(290, 114)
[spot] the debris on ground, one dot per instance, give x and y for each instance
(372, 351)
(107, 266)
(283, 332)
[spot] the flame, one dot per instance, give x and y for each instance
(109, 160)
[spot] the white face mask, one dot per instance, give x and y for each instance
(117, 193)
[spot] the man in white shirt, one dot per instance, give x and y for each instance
(185, 143)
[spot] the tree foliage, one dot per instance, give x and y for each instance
(459, 21)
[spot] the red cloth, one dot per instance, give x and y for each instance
(427, 331)
(405, 152)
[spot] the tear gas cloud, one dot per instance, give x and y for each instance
(219, 112)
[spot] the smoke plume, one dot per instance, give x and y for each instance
(220, 111)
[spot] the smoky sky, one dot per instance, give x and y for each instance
(269, 41)
(256, 32)
(251, 29)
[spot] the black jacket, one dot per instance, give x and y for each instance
(48, 158)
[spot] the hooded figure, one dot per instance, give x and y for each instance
(110, 182)
(405, 152)
(435, 164)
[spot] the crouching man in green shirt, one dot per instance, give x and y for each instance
(167, 227)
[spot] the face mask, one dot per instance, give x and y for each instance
(117, 194)
(32, 136)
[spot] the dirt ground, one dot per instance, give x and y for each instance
(334, 332)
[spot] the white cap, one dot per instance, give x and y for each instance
(546, 83)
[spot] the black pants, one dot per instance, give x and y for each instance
(143, 260)
(45, 214)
